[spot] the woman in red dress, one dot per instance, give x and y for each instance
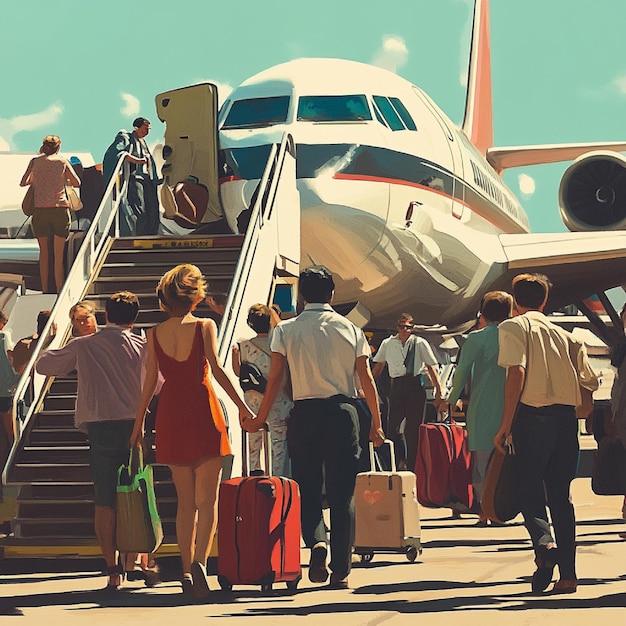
(191, 434)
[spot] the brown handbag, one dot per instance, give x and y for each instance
(28, 203)
(72, 198)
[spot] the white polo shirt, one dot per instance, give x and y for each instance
(394, 354)
(321, 348)
(555, 362)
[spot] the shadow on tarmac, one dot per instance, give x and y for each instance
(141, 597)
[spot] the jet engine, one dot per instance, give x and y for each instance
(592, 194)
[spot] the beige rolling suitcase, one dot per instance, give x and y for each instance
(387, 515)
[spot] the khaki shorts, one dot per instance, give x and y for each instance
(52, 221)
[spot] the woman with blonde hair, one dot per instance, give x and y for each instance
(49, 173)
(191, 434)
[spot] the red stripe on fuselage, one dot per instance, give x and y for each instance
(230, 179)
(406, 183)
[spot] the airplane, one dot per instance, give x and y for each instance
(408, 210)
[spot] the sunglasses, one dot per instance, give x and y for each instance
(406, 326)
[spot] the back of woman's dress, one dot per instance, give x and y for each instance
(190, 424)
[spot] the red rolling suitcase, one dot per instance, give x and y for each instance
(258, 529)
(443, 467)
(432, 465)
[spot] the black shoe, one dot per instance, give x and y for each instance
(318, 572)
(338, 583)
(200, 588)
(545, 560)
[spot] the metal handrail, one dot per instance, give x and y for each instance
(96, 243)
(259, 217)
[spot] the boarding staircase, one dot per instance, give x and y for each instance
(50, 458)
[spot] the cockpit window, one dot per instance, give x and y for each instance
(257, 112)
(389, 113)
(403, 113)
(333, 109)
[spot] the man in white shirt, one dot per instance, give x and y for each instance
(323, 350)
(406, 355)
(546, 368)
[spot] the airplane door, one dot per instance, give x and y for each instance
(445, 147)
(191, 140)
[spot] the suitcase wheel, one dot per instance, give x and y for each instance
(224, 583)
(266, 587)
(292, 585)
(411, 553)
(367, 557)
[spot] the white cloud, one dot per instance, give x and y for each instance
(620, 83)
(131, 105)
(526, 185)
(10, 127)
(393, 54)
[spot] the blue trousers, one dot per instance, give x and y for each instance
(546, 459)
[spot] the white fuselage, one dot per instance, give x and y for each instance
(395, 201)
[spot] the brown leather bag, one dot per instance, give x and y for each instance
(28, 203)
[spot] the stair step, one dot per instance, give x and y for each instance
(56, 529)
(20, 473)
(81, 510)
(142, 285)
(82, 492)
(62, 386)
(56, 436)
(59, 403)
(151, 269)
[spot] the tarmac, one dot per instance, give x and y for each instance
(465, 575)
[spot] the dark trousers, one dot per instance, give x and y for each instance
(546, 458)
(324, 433)
(144, 206)
(406, 401)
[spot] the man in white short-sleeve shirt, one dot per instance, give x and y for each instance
(323, 350)
(546, 368)
(406, 356)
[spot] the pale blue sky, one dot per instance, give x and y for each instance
(559, 70)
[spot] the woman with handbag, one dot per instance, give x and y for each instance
(48, 174)
(191, 436)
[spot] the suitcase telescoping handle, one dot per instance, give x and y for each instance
(245, 451)
(392, 454)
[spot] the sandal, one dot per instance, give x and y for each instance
(116, 578)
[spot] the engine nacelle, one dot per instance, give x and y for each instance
(592, 193)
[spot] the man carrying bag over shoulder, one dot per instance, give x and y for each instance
(546, 369)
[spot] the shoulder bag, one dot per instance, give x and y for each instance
(138, 527)
(608, 476)
(499, 501)
(28, 203)
(250, 376)
(72, 198)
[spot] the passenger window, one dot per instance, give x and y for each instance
(257, 112)
(351, 108)
(403, 113)
(389, 113)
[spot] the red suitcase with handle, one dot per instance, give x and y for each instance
(259, 529)
(443, 467)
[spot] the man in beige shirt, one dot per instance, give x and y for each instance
(546, 367)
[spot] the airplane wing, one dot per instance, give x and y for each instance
(578, 264)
